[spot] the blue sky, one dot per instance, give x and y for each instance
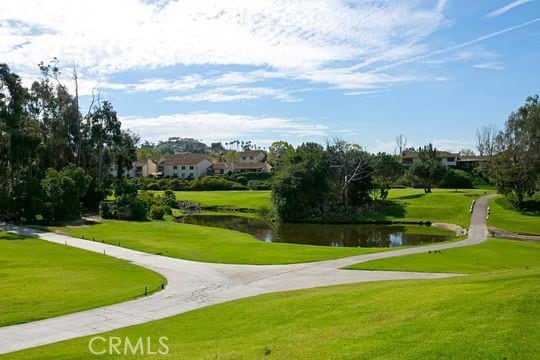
(216, 70)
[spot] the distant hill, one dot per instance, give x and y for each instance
(180, 145)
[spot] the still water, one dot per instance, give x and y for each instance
(322, 234)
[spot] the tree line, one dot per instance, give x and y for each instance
(55, 160)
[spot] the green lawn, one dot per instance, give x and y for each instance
(241, 199)
(504, 217)
(488, 316)
(207, 244)
(492, 255)
(442, 205)
(39, 279)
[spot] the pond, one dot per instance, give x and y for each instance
(350, 235)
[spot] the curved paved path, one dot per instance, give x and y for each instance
(193, 285)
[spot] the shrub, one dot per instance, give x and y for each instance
(178, 185)
(457, 179)
(259, 185)
(153, 186)
(215, 183)
(157, 212)
(105, 210)
(169, 199)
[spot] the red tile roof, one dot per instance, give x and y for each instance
(183, 159)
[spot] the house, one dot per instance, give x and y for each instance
(470, 162)
(139, 168)
(446, 158)
(251, 157)
(253, 167)
(185, 166)
(219, 168)
(142, 168)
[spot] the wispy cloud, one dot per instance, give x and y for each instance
(235, 93)
(308, 40)
(489, 66)
(506, 8)
(219, 126)
(457, 47)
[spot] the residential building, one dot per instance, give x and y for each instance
(447, 158)
(185, 165)
(251, 157)
(139, 168)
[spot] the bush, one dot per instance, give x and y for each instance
(153, 186)
(457, 179)
(131, 208)
(169, 199)
(210, 183)
(178, 185)
(105, 210)
(157, 212)
(259, 185)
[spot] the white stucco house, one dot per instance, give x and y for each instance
(184, 166)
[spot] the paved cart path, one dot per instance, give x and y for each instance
(192, 285)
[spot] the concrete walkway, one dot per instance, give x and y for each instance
(192, 285)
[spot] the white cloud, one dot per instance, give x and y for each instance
(506, 8)
(452, 145)
(234, 93)
(308, 40)
(489, 66)
(218, 126)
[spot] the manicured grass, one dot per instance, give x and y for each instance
(39, 279)
(241, 199)
(492, 255)
(442, 205)
(504, 217)
(489, 316)
(207, 244)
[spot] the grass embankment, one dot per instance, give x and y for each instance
(237, 199)
(442, 205)
(206, 244)
(504, 217)
(39, 279)
(483, 316)
(492, 255)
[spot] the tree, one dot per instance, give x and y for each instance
(231, 158)
(63, 192)
(19, 136)
(429, 171)
(300, 189)
(466, 152)
(278, 152)
(217, 148)
(387, 170)
(401, 143)
(485, 140)
(105, 132)
(516, 165)
(350, 165)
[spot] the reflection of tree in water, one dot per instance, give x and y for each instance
(319, 234)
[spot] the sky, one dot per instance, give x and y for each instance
(303, 70)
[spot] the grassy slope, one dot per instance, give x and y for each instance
(503, 217)
(246, 199)
(442, 205)
(207, 244)
(482, 316)
(40, 280)
(489, 256)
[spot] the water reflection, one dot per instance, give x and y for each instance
(322, 234)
